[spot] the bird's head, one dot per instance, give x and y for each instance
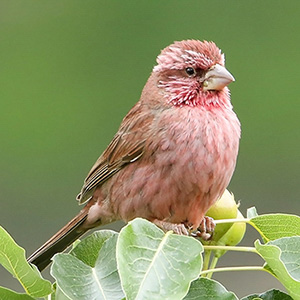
(192, 73)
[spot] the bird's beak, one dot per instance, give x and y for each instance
(216, 78)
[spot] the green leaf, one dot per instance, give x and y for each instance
(275, 226)
(282, 256)
(154, 265)
(82, 278)
(59, 295)
(88, 249)
(290, 254)
(269, 295)
(208, 289)
(12, 257)
(6, 294)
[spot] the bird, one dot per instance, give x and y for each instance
(173, 155)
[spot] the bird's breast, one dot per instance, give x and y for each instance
(188, 161)
(198, 144)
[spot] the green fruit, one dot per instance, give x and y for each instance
(224, 208)
(233, 236)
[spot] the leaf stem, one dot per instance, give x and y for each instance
(227, 269)
(232, 221)
(212, 266)
(206, 260)
(231, 248)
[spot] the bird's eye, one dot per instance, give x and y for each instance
(190, 71)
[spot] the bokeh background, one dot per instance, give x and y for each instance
(70, 70)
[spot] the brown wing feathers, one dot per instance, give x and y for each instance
(120, 152)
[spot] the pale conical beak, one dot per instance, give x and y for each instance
(216, 78)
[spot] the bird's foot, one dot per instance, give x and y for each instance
(180, 229)
(206, 229)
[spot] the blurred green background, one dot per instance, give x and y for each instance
(70, 70)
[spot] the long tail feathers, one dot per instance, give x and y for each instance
(59, 242)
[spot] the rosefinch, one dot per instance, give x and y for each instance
(173, 155)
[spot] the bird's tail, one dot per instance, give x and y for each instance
(59, 242)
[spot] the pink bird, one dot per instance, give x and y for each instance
(173, 155)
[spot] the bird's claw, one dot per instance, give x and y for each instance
(176, 228)
(206, 229)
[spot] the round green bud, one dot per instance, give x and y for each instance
(224, 208)
(233, 236)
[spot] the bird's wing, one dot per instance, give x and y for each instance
(126, 147)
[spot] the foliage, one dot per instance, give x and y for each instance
(143, 262)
